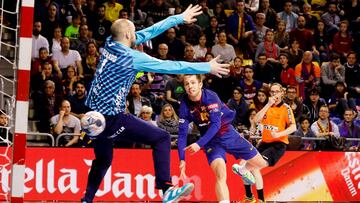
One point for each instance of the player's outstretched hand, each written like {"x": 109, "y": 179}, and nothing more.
{"x": 218, "y": 69}
{"x": 191, "y": 12}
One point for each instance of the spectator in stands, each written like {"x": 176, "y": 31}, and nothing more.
{"x": 80, "y": 44}
{"x": 220, "y": 15}
{"x": 38, "y": 79}
{"x": 252, "y": 6}
{"x": 260, "y": 29}
{"x": 47, "y": 104}
{"x": 135, "y": 101}
{"x": 89, "y": 10}
{"x": 38, "y": 40}
{"x": 322, "y": 41}
{"x": 174, "y": 90}
{"x": 331, "y": 19}
{"x": 270, "y": 14}
{"x": 38, "y": 62}
{"x": 203, "y": 20}
{"x": 352, "y": 75}
{"x": 295, "y": 53}
{"x": 349, "y": 129}
{"x": 324, "y": 127}
{"x": 288, "y": 16}
{"x": 190, "y": 33}
{"x": 211, "y": 32}
{"x": 163, "y": 52}
{"x": 50, "y": 21}
{"x": 153, "y": 88}
{"x": 201, "y": 49}
{"x": 261, "y": 98}
{"x": 73, "y": 9}
{"x": 90, "y": 61}
{"x": 124, "y": 14}
{"x": 146, "y": 113}
{"x": 265, "y": 71}
{"x": 339, "y": 100}
{"x": 157, "y": 11}
{"x": 69, "y": 81}
{"x": 239, "y": 36}
{"x": 136, "y": 15}
{"x": 239, "y": 105}
{"x": 249, "y": 85}
{"x": 72, "y": 31}
{"x": 311, "y": 20}
{"x": 236, "y": 70}
{"x": 313, "y": 102}
{"x": 305, "y": 131}
{"x": 176, "y": 47}
{"x": 342, "y": 40}
{"x": 295, "y": 103}
{"x": 77, "y": 100}
{"x": 112, "y": 10}
{"x": 268, "y": 47}
{"x": 307, "y": 74}
{"x": 225, "y": 50}
{"x": 66, "y": 58}
{"x": 55, "y": 43}
{"x": 101, "y": 27}
{"x": 281, "y": 37}
{"x": 303, "y": 35}
{"x": 189, "y": 53}
{"x": 250, "y": 127}
{"x": 5, "y": 135}
{"x": 287, "y": 75}
{"x": 331, "y": 73}
{"x": 168, "y": 120}
{"x": 65, "y": 122}
{"x": 351, "y": 13}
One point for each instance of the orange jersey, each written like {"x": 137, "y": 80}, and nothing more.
{"x": 277, "y": 119}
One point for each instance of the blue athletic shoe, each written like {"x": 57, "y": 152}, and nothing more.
{"x": 246, "y": 175}
{"x": 175, "y": 194}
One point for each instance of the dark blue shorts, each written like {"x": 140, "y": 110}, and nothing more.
{"x": 232, "y": 143}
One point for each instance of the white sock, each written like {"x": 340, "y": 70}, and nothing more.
{"x": 224, "y": 201}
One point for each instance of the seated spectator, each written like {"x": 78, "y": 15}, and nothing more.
{"x": 201, "y": 49}
{"x": 50, "y": 21}
{"x": 211, "y": 32}
{"x": 38, "y": 41}
{"x": 37, "y": 81}
{"x": 112, "y": 10}
{"x": 249, "y": 85}
{"x": 189, "y": 53}
{"x": 314, "y": 102}
{"x": 225, "y": 50}
{"x": 176, "y": 46}
{"x": 331, "y": 73}
{"x": 342, "y": 40}
{"x": 78, "y": 99}
{"x": 5, "y": 136}
{"x": 80, "y": 43}
{"x": 260, "y": 100}
{"x": 250, "y": 127}
{"x": 307, "y": 74}
{"x": 72, "y": 31}
{"x": 348, "y": 129}
{"x": 67, "y": 57}
{"x": 260, "y": 29}
{"x": 69, "y": 81}
{"x": 324, "y": 127}
{"x": 305, "y": 131}
{"x": 38, "y": 62}
{"x": 168, "y": 120}
{"x": 339, "y": 101}
{"x": 303, "y": 35}
{"x": 163, "y": 52}
{"x": 270, "y": 14}
{"x": 331, "y": 19}
{"x": 65, "y": 122}
{"x": 299, "y": 109}
{"x": 352, "y": 75}
{"x": 190, "y": 33}
{"x": 268, "y": 47}
{"x": 265, "y": 71}
{"x": 146, "y": 113}
{"x": 203, "y": 19}
{"x": 311, "y": 20}
{"x": 90, "y": 62}
{"x": 100, "y": 29}
{"x": 135, "y": 101}
{"x": 136, "y": 15}
{"x": 295, "y": 53}
{"x": 47, "y": 104}
{"x": 287, "y": 75}
{"x": 281, "y": 37}
{"x": 239, "y": 105}
{"x": 174, "y": 90}
{"x": 237, "y": 70}
{"x": 322, "y": 41}
{"x": 220, "y": 15}
{"x": 55, "y": 43}
{"x": 288, "y": 16}
{"x": 156, "y": 11}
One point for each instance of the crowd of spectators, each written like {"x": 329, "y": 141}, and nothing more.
{"x": 310, "y": 47}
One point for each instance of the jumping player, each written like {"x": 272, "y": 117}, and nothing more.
{"x": 218, "y": 137}
{"x": 115, "y": 73}
{"x": 278, "y": 122}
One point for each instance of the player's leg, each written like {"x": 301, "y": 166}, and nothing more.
{"x": 221, "y": 189}
{"x": 103, "y": 149}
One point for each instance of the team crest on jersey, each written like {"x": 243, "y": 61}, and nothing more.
{"x": 213, "y": 106}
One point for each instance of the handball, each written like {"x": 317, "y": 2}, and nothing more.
{"x": 93, "y": 123}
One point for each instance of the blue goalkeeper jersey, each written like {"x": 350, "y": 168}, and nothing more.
{"x": 211, "y": 116}
{"x": 119, "y": 64}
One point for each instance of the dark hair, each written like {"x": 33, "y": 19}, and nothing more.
{"x": 258, "y": 105}
{"x": 349, "y": 109}
{"x": 351, "y": 52}
{"x": 239, "y": 89}
{"x": 246, "y": 121}
{"x": 284, "y": 54}
{"x": 314, "y": 91}
{"x": 42, "y": 49}
{"x": 334, "y": 57}
{"x": 303, "y": 118}
{"x": 248, "y": 67}
{"x": 262, "y": 54}
{"x": 209, "y": 53}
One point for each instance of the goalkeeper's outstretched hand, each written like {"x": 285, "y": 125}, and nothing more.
{"x": 191, "y": 12}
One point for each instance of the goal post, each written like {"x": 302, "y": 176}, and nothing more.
{"x": 22, "y": 100}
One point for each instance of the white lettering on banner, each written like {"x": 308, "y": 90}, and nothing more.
{"x": 70, "y": 177}
{"x": 353, "y": 169}
{"x": 39, "y": 177}
{"x": 29, "y": 175}
{"x": 140, "y": 186}
{"x": 51, "y": 176}
{"x": 126, "y": 181}
{"x": 5, "y": 180}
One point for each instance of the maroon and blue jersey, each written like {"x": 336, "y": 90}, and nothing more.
{"x": 210, "y": 115}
